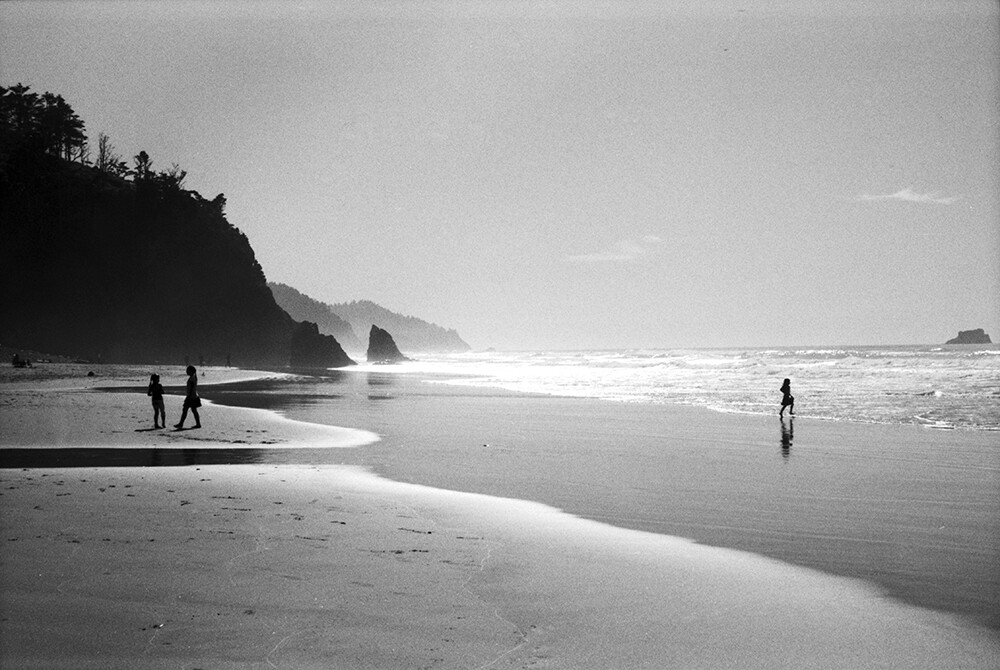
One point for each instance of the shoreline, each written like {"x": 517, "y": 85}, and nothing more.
{"x": 47, "y": 413}
{"x": 309, "y": 566}
{"x": 921, "y": 385}
{"x": 911, "y": 510}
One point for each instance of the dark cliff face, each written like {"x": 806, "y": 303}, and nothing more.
{"x": 382, "y": 348}
{"x": 108, "y": 269}
{"x": 303, "y": 308}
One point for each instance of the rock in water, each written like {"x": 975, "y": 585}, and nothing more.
{"x": 977, "y": 336}
{"x": 310, "y": 349}
{"x": 382, "y": 348}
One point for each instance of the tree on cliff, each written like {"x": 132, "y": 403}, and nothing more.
{"x": 60, "y": 128}
{"x": 108, "y": 159}
{"x": 143, "y": 166}
{"x": 46, "y": 121}
{"x": 19, "y": 108}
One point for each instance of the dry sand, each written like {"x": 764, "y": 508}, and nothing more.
{"x": 60, "y": 408}
{"x": 297, "y": 566}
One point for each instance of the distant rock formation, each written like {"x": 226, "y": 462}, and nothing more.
{"x": 977, "y": 336}
{"x": 309, "y": 349}
{"x": 382, "y": 348}
{"x": 412, "y": 334}
{"x": 346, "y": 320}
{"x": 303, "y": 308}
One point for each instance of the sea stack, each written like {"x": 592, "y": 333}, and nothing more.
{"x": 382, "y": 348}
{"x": 310, "y": 349}
{"x": 977, "y": 336}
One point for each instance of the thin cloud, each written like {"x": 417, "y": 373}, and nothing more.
{"x": 625, "y": 251}
{"x": 909, "y": 195}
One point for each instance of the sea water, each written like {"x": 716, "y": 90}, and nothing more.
{"x": 936, "y": 386}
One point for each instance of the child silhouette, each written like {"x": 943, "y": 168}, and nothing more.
{"x": 787, "y": 400}
{"x": 155, "y": 391}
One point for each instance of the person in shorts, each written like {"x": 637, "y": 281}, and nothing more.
{"x": 155, "y": 391}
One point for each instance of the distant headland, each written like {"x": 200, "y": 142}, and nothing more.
{"x": 977, "y": 336}
{"x": 346, "y": 321}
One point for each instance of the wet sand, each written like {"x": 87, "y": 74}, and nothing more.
{"x": 914, "y": 510}
{"x": 317, "y": 566}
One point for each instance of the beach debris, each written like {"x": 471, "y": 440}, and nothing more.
{"x": 421, "y": 532}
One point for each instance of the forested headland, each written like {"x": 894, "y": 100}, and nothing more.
{"x": 114, "y": 261}
{"x": 349, "y": 322}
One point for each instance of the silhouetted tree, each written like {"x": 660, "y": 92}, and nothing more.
{"x": 81, "y": 154}
{"x": 61, "y": 130}
{"x": 108, "y": 160}
{"x": 46, "y": 122}
{"x": 143, "y": 166}
{"x": 19, "y": 108}
{"x": 172, "y": 179}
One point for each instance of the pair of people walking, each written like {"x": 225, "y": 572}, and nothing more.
{"x": 191, "y": 400}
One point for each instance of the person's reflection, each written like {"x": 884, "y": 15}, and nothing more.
{"x": 380, "y": 379}
{"x": 787, "y": 434}
{"x": 381, "y": 385}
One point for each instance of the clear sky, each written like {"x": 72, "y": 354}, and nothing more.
{"x": 573, "y": 174}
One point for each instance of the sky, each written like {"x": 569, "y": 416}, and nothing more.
{"x": 572, "y": 175}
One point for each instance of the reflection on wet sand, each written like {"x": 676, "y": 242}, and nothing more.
{"x": 787, "y": 434}
{"x": 380, "y": 384}
{"x": 88, "y": 457}
{"x": 380, "y": 379}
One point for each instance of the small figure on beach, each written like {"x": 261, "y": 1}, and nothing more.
{"x": 191, "y": 400}
{"x": 787, "y": 400}
{"x": 155, "y": 391}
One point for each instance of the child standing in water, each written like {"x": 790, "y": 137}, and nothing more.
{"x": 191, "y": 400}
{"x": 155, "y": 391}
{"x": 787, "y": 400}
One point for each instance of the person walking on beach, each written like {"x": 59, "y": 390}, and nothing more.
{"x": 155, "y": 391}
{"x": 191, "y": 400}
{"x": 787, "y": 400}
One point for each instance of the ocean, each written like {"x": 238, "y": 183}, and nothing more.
{"x": 935, "y": 386}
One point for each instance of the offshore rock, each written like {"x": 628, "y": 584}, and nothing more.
{"x": 382, "y": 348}
{"x": 310, "y": 349}
{"x": 977, "y": 336}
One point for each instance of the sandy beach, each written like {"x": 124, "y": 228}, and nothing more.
{"x": 265, "y": 565}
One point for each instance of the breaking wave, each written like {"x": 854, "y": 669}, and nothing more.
{"x": 942, "y": 387}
